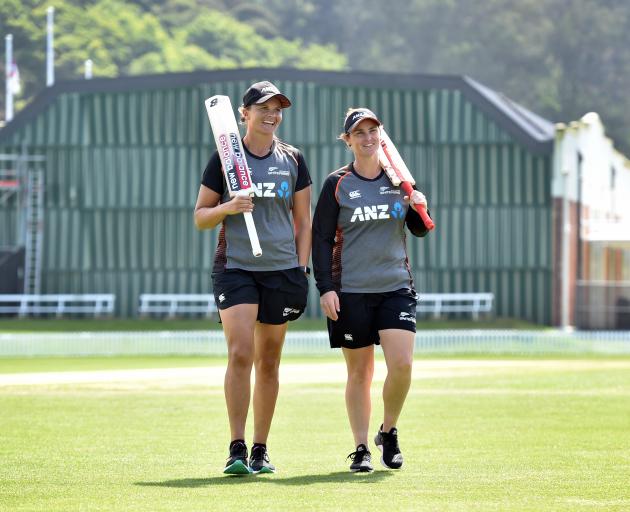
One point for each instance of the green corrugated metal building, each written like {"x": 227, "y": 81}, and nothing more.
{"x": 124, "y": 158}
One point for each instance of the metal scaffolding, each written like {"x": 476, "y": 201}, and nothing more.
{"x": 22, "y": 190}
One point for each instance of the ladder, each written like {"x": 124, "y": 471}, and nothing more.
{"x": 34, "y": 231}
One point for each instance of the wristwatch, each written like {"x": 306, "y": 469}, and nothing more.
{"x": 306, "y": 270}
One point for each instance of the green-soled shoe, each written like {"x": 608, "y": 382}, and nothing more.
{"x": 259, "y": 461}
{"x": 237, "y": 467}
{"x": 237, "y": 461}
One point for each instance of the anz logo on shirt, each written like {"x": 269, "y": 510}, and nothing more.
{"x": 269, "y": 190}
{"x": 377, "y": 212}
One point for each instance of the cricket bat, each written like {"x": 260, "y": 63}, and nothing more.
{"x": 399, "y": 174}
{"x": 232, "y": 155}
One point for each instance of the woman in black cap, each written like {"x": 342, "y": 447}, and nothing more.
{"x": 365, "y": 282}
{"x": 257, "y": 296}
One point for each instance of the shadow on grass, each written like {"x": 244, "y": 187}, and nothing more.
{"x": 278, "y": 479}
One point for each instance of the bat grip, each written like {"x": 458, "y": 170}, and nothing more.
{"x": 253, "y": 235}
{"x": 420, "y": 208}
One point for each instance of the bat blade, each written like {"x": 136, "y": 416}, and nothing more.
{"x": 232, "y": 155}
{"x": 229, "y": 145}
{"x": 396, "y": 165}
{"x": 399, "y": 174}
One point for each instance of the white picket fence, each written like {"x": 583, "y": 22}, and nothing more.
{"x": 310, "y": 342}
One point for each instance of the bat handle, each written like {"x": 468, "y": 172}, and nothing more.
{"x": 421, "y": 209}
{"x": 253, "y": 235}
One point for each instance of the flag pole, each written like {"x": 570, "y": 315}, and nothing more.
{"x": 88, "y": 69}
{"x": 8, "y": 106}
{"x": 50, "y": 51}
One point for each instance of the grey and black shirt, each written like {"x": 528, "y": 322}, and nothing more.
{"x": 277, "y": 177}
{"x": 359, "y": 241}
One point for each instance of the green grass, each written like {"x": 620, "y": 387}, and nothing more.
{"x": 128, "y": 324}
{"x": 153, "y": 324}
{"x": 65, "y": 364}
{"x": 13, "y": 365}
{"x": 509, "y": 438}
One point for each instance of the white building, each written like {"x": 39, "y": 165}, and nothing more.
{"x": 591, "y": 193}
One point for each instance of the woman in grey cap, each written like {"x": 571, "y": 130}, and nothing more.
{"x": 365, "y": 282}
{"x": 257, "y": 296}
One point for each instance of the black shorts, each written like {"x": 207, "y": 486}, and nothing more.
{"x": 280, "y": 294}
{"x": 362, "y": 315}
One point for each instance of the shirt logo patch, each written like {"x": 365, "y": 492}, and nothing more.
{"x": 269, "y": 190}
{"x": 284, "y": 191}
{"x": 355, "y": 194}
{"x": 377, "y": 212}
{"x": 278, "y": 172}
{"x": 389, "y": 190}
{"x": 397, "y": 211}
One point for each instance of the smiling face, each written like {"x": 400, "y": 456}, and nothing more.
{"x": 364, "y": 138}
{"x": 265, "y": 118}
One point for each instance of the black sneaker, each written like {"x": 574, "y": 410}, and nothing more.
{"x": 237, "y": 461}
{"x": 361, "y": 460}
{"x": 259, "y": 460}
{"x": 387, "y": 442}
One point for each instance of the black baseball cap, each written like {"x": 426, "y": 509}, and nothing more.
{"x": 263, "y": 91}
{"x": 356, "y": 115}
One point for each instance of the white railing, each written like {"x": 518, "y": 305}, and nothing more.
{"x": 57, "y": 304}
{"x": 440, "y": 303}
{"x": 174, "y": 304}
{"x": 311, "y": 342}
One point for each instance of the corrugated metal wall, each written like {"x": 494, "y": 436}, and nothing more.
{"x": 123, "y": 172}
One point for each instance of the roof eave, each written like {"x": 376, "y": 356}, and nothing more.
{"x": 538, "y": 145}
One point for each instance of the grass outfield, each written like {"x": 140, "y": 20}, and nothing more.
{"x": 201, "y": 324}
{"x": 477, "y": 434}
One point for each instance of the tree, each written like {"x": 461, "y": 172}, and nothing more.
{"x": 560, "y": 58}
{"x": 145, "y": 37}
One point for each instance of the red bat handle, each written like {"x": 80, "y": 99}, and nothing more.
{"x": 421, "y": 209}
